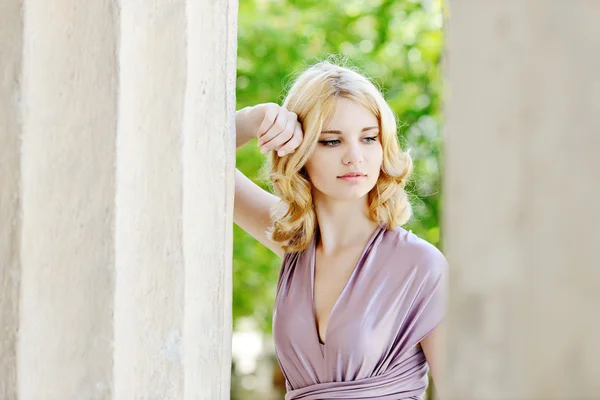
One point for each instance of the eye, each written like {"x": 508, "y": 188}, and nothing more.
{"x": 329, "y": 143}
{"x": 370, "y": 139}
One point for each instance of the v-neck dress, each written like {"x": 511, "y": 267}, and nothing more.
{"x": 395, "y": 296}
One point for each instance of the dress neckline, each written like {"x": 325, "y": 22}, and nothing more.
{"x": 312, "y": 265}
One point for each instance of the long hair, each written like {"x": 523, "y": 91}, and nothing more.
{"x": 312, "y": 97}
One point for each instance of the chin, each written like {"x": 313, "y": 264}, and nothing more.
{"x": 352, "y": 193}
{"x": 344, "y": 191}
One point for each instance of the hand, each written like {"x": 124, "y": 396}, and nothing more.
{"x": 279, "y": 131}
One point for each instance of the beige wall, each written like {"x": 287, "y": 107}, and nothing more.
{"x": 115, "y": 248}
{"x": 521, "y": 221}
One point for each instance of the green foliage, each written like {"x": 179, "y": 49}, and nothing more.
{"x": 396, "y": 43}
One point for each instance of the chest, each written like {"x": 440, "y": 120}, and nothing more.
{"x": 331, "y": 276}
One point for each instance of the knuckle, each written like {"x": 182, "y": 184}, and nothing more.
{"x": 282, "y": 141}
{"x": 269, "y": 109}
{"x": 269, "y": 118}
{"x": 274, "y": 141}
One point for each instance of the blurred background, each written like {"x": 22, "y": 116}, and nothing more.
{"x": 398, "y": 44}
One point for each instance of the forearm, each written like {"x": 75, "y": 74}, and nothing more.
{"x": 247, "y": 122}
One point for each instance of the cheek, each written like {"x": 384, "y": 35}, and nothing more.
{"x": 376, "y": 156}
{"x": 312, "y": 170}
{"x": 317, "y": 164}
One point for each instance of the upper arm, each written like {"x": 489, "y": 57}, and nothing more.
{"x": 252, "y": 211}
{"x": 434, "y": 349}
{"x": 435, "y": 269}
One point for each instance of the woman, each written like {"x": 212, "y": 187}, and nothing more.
{"x": 359, "y": 299}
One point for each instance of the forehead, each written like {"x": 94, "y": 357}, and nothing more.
{"x": 350, "y": 114}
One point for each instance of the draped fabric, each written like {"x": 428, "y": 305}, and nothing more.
{"x": 394, "y": 297}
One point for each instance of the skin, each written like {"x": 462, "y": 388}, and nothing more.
{"x": 349, "y": 142}
{"x": 433, "y": 347}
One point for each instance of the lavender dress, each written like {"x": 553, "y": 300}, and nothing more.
{"x": 395, "y": 296}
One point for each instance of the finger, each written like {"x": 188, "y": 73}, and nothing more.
{"x": 293, "y": 143}
{"x": 282, "y": 129}
{"x": 268, "y": 120}
{"x": 282, "y": 138}
{"x": 275, "y": 129}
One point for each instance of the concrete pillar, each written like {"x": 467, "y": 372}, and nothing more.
{"x": 116, "y": 189}
{"x": 150, "y": 268}
{"x": 521, "y": 187}
{"x": 11, "y": 43}
{"x": 209, "y": 165}
{"x": 68, "y": 109}
{"x": 175, "y": 160}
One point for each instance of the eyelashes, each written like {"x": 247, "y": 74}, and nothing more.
{"x": 329, "y": 143}
{"x": 335, "y": 142}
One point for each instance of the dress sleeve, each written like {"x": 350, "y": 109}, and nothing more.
{"x": 432, "y": 292}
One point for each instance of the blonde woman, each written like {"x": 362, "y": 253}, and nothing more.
{"x": 359, "y": 299}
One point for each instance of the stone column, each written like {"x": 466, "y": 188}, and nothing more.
{"x": 11, "y": 47}
{"x": 208, "y": 173}
{"x": 521, "y": 220}
{"x": 175, "y": 163}
{"x": 116, "y": 190}
{"x": 68, "y": 108}
{"x": 150, "y": 267}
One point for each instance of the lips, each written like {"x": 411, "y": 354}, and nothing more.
{"x": 353, "y": 174}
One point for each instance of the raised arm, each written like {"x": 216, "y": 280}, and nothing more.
{"x": 278, "y": 130}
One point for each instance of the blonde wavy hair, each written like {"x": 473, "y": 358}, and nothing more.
{"x": 312, "y": 97}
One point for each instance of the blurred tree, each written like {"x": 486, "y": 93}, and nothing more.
{"x": 396, "y": 43}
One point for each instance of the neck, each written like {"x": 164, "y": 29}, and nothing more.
{"x": 342, "y": 224}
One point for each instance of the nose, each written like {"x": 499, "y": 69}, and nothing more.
{"x": 353, "y": 155}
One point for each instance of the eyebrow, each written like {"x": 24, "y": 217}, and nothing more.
{"x": 368, "y": 128}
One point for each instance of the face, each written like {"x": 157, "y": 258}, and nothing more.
{"x": 347, "y": 160}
